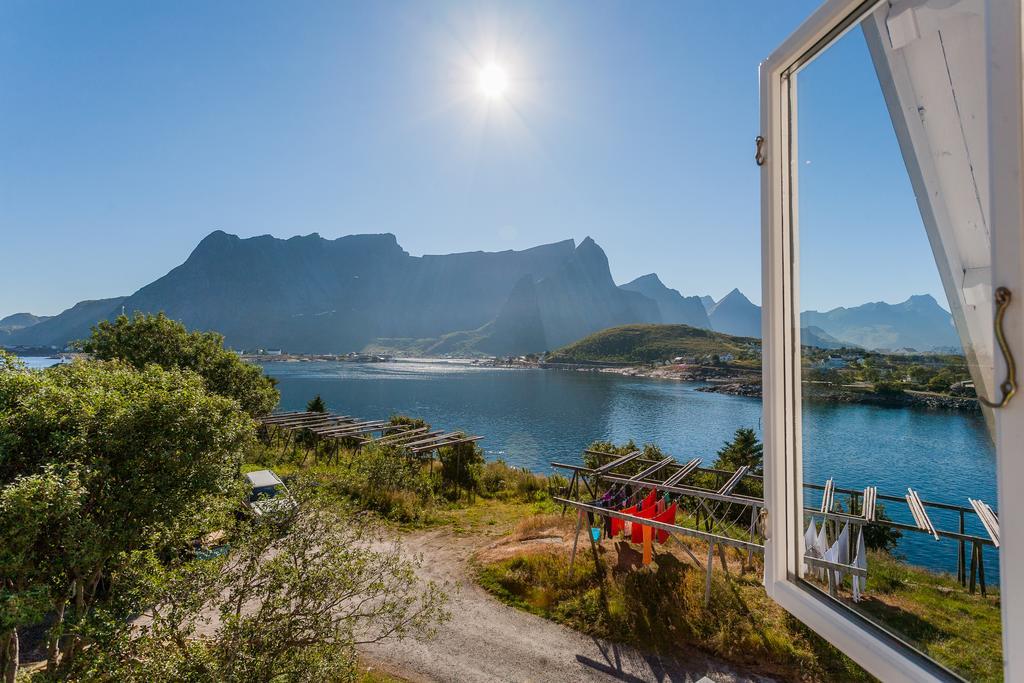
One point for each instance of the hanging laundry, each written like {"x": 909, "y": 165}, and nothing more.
{"x": 638, "y": 529}
{"x": 810, "y": 538}
{"x": 821, "y": 545}
{"x": 666, "y": 517}
{"x": 860, "y": 583}
{"x": 842, "y": 551}
{"x": 620, "y": 524}
{"x": 650, "y": 500}
{"x": 648, "y": 546}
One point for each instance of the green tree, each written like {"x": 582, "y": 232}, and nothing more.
{"x": 135, "y": 454}
{"x": 291, "y": 607}
{"x": 316, "y": 405}
{"x": 37, "y": 513}
{"x": 144, "y": 339}
{"x": 744, "y": 449}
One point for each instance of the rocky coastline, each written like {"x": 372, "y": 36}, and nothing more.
{"x": 904, "y": 399}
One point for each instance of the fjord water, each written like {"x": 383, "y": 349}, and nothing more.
{"x": 532, "y": 417}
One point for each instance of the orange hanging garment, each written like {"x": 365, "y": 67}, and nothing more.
{"x": 648, "y": 549}
{"x": 666, "y": 517}
{"x": 638, "y": 529}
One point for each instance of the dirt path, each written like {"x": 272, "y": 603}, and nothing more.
{"x": 489, "y": 641}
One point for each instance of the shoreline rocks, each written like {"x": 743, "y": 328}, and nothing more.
{"x": 905, "y": 399}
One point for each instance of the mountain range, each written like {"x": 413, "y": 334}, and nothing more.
{"x": 308, "y": 294}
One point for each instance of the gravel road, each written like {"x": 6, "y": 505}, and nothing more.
{"x": 489, "y": 641}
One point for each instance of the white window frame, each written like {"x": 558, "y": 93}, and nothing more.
{"x": 879, "y": 652}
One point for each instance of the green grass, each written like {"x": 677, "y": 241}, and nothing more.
{"x": 960, "y": 630}
{"x": 650, "y": 343}
{"x": 664, "y": 610}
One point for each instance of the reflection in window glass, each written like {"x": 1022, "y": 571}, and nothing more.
{"x": 898, "y": 468}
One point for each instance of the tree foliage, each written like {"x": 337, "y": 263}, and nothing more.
{"x": 461, "y": 467}
{"x": 99, "y": 460}
{"x": 144, "y": 339}
{"x": 744, "y": 449}
{"x": 316, "y": 405}
{"x": 279, "y": 607}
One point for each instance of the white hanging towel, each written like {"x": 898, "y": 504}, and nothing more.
{"x": 809, "y": 542}
{"x": 860, "y": 583}
{"x": 821, "y": 545}
{"x": 841, "y": 550}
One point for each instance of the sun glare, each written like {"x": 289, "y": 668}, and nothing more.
{"x": 493, "y": 81}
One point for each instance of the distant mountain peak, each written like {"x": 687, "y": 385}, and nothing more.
{"x": 673, "y": 306}
{"x": 650, "y": 278}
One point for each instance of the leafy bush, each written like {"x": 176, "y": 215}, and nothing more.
{"x": 411, "y": 422}
{"x": 145, "y": 339}
{"x": 500, "y": 480}
{"x": 461, "y": 467}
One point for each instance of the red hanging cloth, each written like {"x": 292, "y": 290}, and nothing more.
{"x": 650, "y": 500}
{"x": 620, "y": 524}
{"x": 638, "y": 529}
{"x": 666, "y": 517}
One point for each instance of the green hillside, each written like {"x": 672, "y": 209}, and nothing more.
{"x": 651, "y": 343}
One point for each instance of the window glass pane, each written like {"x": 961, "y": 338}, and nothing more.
{"x": 888, "y": 410}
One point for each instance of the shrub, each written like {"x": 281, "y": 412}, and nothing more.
{"x": 146, "y": 339}
{"x": 461, "y": 467}
{"x": 503, "y": 481}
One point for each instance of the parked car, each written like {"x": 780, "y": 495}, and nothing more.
{"x": 267, "y": 493}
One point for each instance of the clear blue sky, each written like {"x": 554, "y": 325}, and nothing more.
{"x": 132, "y": 129}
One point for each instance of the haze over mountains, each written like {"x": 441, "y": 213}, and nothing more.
{"x": 312, "y": 295}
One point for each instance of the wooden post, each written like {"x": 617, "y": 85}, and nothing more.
{"x": 974, "y": 563}
{"x": 570, "y": 494}
{"x": 593, "y": 547}
{"x": 707, "y": 575}
{"x": 981, "y": 567}
{"x": 961, "y": 565}
{"x": 575, "y": 542}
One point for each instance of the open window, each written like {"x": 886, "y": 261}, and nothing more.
{"x": 891, "y": 144}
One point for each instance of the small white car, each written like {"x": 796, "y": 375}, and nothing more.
{"x": 267, "y": 493}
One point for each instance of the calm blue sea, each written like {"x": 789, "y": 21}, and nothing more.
{"x": 532, "y": 417}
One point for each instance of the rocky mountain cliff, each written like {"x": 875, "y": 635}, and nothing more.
{"x": 312, "y": 295}
{"x": 736, "y": 315}
{"x": 673, "y": 307}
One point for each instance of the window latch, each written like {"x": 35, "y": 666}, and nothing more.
{"x": 759, "y": 150}
{"x": 1009, "y": 385}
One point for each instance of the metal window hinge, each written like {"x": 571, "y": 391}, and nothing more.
{"x": 1009, "y": 385}
{"x": 759, "y": 150}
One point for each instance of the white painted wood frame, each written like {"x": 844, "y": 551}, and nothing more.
{"x": 881, "y": 653}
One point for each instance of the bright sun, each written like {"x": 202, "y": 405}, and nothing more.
{"x": 493, "y": 81}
